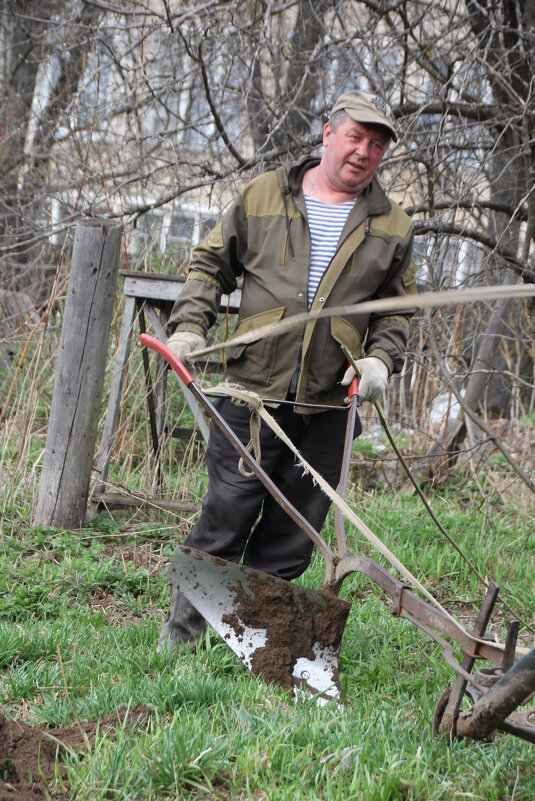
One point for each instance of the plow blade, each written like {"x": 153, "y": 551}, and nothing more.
{"x": 288, "y": 634}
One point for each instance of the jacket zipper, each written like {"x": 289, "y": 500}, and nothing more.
{"x": 295, "y": 377}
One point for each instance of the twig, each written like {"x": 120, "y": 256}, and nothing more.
{"x": 398, "y": 305}
{"x": 475, "y": 418}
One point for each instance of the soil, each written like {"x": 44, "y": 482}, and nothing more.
{"x": 113, "y": 608}
{"x": 149, "y": 555}
{"x": 28, "y": 753}
{"x": 295, "y": 619}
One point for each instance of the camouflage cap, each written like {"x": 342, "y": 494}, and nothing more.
{"x": 363, "y": 107}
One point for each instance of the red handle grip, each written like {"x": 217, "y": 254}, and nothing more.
{"x": 169, "y": 356}
{"x": 353, "y": 387}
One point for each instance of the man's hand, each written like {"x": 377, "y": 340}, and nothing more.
{"x": 182, "y": 343}
{"x": 373, "y": 378}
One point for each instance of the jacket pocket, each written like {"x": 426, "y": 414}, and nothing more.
{"x": 261, "y": 346}
{"x": 287, "y": 247}
{"x": 373, "y": 254}
{"x": 259, "y": 320}
{"x": 409, "y": 276}
{"x": 347, "y": 335}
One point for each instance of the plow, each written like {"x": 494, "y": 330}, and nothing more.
{"x": 291, "y": 635}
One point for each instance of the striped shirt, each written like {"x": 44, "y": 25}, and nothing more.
{"x": 325, "y": 221}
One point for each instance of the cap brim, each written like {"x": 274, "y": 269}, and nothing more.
{"x": 375, "y": 119}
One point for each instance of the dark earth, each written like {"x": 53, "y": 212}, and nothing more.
{"x": 295, "y": 619}
{"x": 28, "y": 753}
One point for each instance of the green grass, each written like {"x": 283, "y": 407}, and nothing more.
{"x": 78, "y": 625}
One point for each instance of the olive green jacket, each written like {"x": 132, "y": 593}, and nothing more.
{"x": 264, "y": 237}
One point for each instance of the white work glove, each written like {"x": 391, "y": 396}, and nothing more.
{"x": 373, "y": 379}
{"x": 182, "y": 343}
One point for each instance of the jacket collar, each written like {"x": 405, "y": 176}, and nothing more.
{"x": 291, "y": 181}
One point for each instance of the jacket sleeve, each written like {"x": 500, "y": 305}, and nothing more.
{"x": 215, "y": 265}
{"x": 387, "y": 332}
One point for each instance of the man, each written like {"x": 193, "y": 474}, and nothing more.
{"x": 319, "y": 235}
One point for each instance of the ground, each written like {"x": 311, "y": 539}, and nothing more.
{"x": 28, "y": 753}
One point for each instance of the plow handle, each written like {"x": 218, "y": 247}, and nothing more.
{"x": 352, "y": 398}
{"x": 169, "y": 356}
{"x": 189, "y": 381}
{"x": 353, "y": 388}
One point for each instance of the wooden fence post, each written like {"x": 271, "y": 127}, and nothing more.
{"x": 77, "y": 395}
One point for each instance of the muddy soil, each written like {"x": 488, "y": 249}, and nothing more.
{"x": 28, "y": 753}
{"x": 295, "y": 619}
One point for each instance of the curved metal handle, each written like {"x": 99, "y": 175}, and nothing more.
{"x": 302, "y": 522}
{"x": 169, "y": 356}
{"x": 353, "y": 388}
{"x": 341, "y": 540}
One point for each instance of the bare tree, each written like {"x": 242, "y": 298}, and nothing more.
{"x": 45, "y": 46}
{"x": 148, "y": 110}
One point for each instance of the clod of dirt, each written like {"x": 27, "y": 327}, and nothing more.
{"x": 28, "y": 753}
{"x": 295, "y": 619}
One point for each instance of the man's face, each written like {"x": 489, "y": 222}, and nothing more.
{"x": 352, "y": 153}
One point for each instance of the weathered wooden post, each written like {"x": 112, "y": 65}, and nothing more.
{"x": 72, "y": 431}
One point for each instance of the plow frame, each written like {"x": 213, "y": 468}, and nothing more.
{"x": 495, "y": 692}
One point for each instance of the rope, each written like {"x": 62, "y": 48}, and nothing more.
{"x": 382, "y": 417}
{"x": 245, "y": 397}
{"x": 396, "y": 305}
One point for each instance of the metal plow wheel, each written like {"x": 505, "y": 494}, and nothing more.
{"x": 288, "y": 634}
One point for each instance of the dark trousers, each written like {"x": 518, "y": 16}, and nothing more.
{"x": 239, "y": 518}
